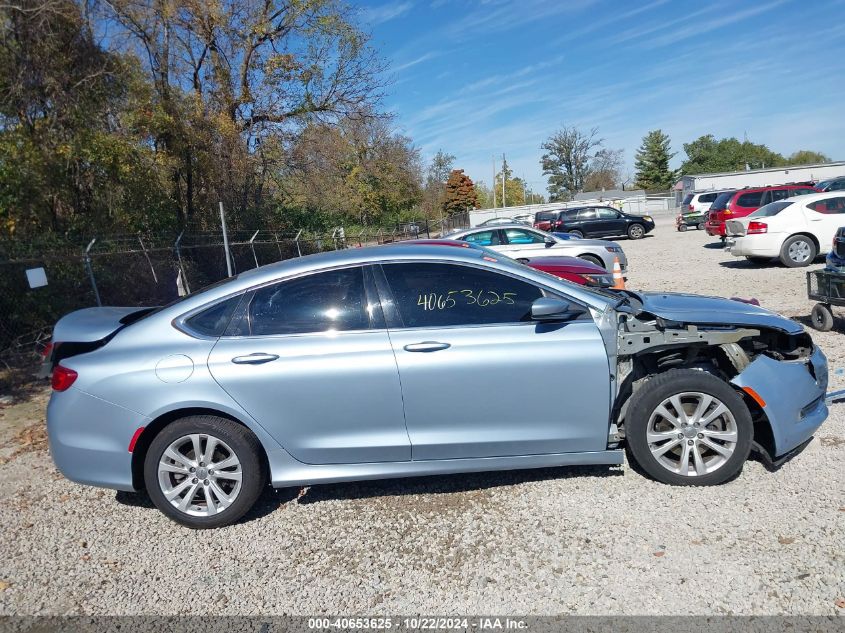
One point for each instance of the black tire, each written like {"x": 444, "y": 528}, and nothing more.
{"x": 700, "y": 226}
{"x": 677, "y": 381}
{"x": 575, "y": 233}
{"x": 758, "y": 261}
{"x": 821, "y": 318}
{"x": 682, "y": 228}
{"x": 241, "y": 441}
{"x": 801, "y": 243}
{"x": 593, "y": 260}
{"x": 636, "y": 231}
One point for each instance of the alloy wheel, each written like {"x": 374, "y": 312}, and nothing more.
{"x": 692, "y": 434}
{"x": 799, "y": 251}
{"x": 200, "y": 475}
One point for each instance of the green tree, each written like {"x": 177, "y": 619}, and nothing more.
{"x": 435, "y": 183}
{"x": 707, "y": 155}
{"x": 485, "y": 195}
{"x": 652, "y": 163}
{"x": 807, "y": 157}
{"x": 461, "y": 195}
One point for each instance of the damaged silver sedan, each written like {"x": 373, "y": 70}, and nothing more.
{"x": 410, "y": 360}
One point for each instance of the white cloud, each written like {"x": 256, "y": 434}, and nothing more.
{"x": 385, "y": 12}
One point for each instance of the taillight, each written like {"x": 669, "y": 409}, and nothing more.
{"x": 691, "y": 208}
{"x": 756, "y": 228}
{"x": 63, "y": 378}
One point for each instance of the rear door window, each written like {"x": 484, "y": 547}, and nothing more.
{"x": 331, "y": 301}
{"x": 750, "y": 199}
{"x": 484, "y": 238}
{"x": 829, "y": 206}
{"x": 587, "y": 214}
{"x": 441, "y": 295}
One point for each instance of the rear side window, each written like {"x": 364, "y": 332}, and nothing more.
{"x": 545, "y": 215}
{"x": 333, "y": 301}
{"x": 707, "y": 197}
{"x": 440, "y": 295}
{"x": 829, "y": 205}
{"x": 213, "y": 321}
{"x": 722, "y": 200}
{"x": 750, "y": 199}
{"x": 483, "y": 238}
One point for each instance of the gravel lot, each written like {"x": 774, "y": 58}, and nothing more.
{"x": 572, "y": 540}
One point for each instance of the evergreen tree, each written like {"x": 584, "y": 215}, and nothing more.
{"x": 652, "y": 163}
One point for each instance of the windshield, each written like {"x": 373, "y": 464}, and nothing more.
{"x": 687, "y": 199}
{"x": 773, "y": 208}
{"x": 722, "y": 201}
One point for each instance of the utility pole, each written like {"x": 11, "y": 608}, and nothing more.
{"x": 493, "y": 187}
{"x": 504, "y": 177}
{"x": 524, "y": 195}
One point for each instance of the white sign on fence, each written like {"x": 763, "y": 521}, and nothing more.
{"x": 36, "y": 277}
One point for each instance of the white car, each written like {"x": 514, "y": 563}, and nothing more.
{"x": 795, "y": 230}
{"x": 700, "y": 201}
{"x": 524, "y": 242}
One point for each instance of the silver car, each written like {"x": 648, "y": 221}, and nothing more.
{"x": 520, "y": 241}
{"x": 408, "y": 360}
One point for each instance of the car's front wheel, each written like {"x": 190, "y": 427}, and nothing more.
{"x": 204, "y": 471}
{"x": 688, "y": 428}
{"x": 636, "y": 231}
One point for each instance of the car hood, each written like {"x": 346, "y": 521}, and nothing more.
{"x": 698, "y": 309}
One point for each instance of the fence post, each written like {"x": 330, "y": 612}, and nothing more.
{"x": 90, "y": 270}
{"x": 279, "y": 246}
{"x": 149, "y": 261}
{"x": 179, "y": 260}
{"x": 252, "y": 246}
{"x": 296, "y": 240}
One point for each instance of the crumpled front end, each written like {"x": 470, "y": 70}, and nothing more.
{"x": 792, "y": 395}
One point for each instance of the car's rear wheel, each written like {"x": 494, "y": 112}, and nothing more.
{"x": 204, "y": 471}
{"x": 636, "y": 231}
{"x": 576, "y": 233}
{"x": 821, "y": 318}
{"x": 700, "y": 226}
{"x": 592, "y": 259}
{"x": 688, "y": 428}
{"x": 798, "y": 251}
{"x": 682, "y": 227}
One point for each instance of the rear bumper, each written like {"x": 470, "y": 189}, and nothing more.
{"x": 89, "y": 439}
{"x": 794, "y": 396}
{"x": 716, "y": 229}
{"x": 767, "y": 245}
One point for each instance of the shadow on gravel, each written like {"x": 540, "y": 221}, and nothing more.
{"x": 449, "y": 484}
{"x": 714, "y": 245}
{"x": 271, "y": 499}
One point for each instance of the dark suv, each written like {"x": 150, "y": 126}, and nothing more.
{"x": 601, "y": 222}
{"x": 731, "y": 205}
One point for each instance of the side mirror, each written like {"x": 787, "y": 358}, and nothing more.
{"x": 550, "y": 241}
{"x": 552, "y": 309}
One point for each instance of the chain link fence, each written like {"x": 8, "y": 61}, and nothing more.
{"x": 148, "y": 270}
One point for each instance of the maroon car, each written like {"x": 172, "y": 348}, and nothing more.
{"x": 572, "y": 269}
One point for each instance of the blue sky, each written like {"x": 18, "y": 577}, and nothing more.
{"x": 482, "y": 77}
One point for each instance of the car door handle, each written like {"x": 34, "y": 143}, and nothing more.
{"x": 254, "y": 359}
{"x": 426, "y": 346}
{"x": 816, "y": 219}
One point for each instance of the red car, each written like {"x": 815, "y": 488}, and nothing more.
{"x": 572, "y": 269}
{"x": 731, "y": 205}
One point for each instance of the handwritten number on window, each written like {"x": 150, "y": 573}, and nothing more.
{"x": 481, "y": 298}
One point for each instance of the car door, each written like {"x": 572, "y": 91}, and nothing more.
{"x": 479, "y": 378}
{"x": 523, "y": 242}
{"x": 313, "y": 365}
{"x": 824, "y": 217}
{"x": 610, "y": 222}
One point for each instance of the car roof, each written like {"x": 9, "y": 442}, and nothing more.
{"x": 812, "y": 197}
{"x": 512, "y": 225}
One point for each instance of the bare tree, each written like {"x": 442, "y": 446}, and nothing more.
{"x": 567, "y": 160}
